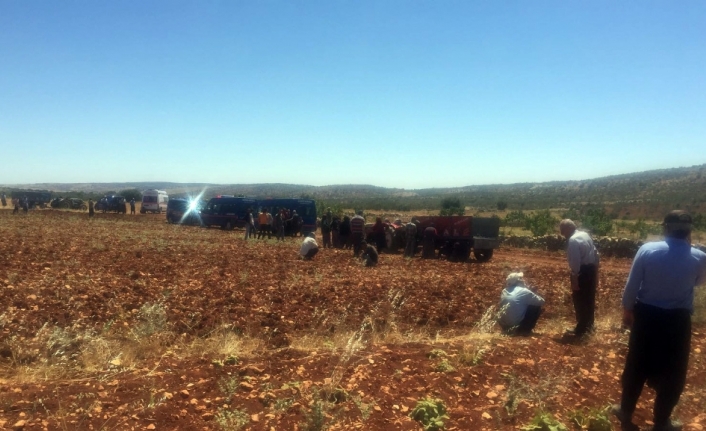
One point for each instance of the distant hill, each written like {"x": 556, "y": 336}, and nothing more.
{"x": 646, "y": 193}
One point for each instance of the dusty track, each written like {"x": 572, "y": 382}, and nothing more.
{"x": 304, "y": 333}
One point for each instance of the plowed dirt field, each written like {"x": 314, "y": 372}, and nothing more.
{"x": 129, "y": 323}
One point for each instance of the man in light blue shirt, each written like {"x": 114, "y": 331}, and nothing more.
{"x": 519, "y": 306}
{"x": 657, "y": 305}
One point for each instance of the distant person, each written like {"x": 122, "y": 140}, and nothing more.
{"x": 370, "y": 255}
{"x": 16, "y": 203}
{"x": 658, "y": 301}
{"x": 132, "y": 206}
{"x": 309, "y": 247}
{"x": 335, "y": 234}
{"x": 270, "y": 220}
{"x": 380, "y": 234}
{"x": 344, "y": 233}
{"x": 357, "y": 232}
{"x": 249, "y": 224}
{"x": 429, "y": 242}
{"x": 583, "y": 257}
{"x": 410, "y": 231}
{"x": 520, "y": 306}
{"x": 91, "y": 210}
{"x": 25, "y": 204}
{"x": 326, "y": 221}
{"x": 278, "y": 225}
{"x": 4, "y": 200}
{"x": 263, "y": 221}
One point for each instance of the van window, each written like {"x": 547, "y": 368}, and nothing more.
{"x": 149, "y": 199}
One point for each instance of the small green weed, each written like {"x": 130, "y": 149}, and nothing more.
{"x": 592, "y": 419}
{"x": 232, "y": 420}
{"x": 544, "y": 421}
{"x": 431, "y": 413}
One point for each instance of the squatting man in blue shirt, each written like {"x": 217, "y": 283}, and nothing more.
{"x": 657, "y": 305}
{"x": 519, "y": 306}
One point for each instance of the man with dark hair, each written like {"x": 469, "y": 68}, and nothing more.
{"x": 357, "y": 232}
{"x": 326, "y": 221}
{"x": 132, "y": 206}
{"x": 370, "y": 255}
{"x": 410, "y": 231}
{"x": 429, "y": 242}
{"x": 658, "y": 301}
{"x": 91, "y": 211}
{"x": 583, "y": 263}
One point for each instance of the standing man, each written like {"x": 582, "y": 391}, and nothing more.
{"x": 249, "y": 224}
{"x": 263, "y": 220}
{"x": 278, "y": 225}
{"x": 583, "y": 263}
{"x": 326, "y": 221}
{"x": 658, "y": 301}
{"x": 132, "y": 206}
{"x": 357, "y": 231}
{"x": 91, "y": 211}
{"x": 410, "y": 231}
{"x": 429, "y": 242}
{"x": 4, "y": 200}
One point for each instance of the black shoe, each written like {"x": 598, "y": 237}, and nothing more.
{"x": 625, "y": 420}
{"x": 672, "y": 425}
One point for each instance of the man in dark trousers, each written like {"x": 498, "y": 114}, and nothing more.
{"x": 132, "y": 206}
{"x": 91, "y": 211}
{"x": 326, "y": 221}
{"x": 429, "y": 243}
{"x": 583, "y": 263}
{"x": 357, "y": 232}
{"x": 658, "y": 301}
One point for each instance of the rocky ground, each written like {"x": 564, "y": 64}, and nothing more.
{"x": 126, "y": 322}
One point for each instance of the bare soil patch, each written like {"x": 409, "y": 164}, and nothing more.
{"x": 127, "y": 322}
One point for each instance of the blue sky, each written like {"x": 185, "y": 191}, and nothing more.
{"x": 408, "y": 94}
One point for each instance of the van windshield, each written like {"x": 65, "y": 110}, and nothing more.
{"x": 149, "y": 199}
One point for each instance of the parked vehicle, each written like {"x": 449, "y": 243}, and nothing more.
{"x": 184, "y": 211}
{"x": 38, "y": 198}
{"x": 154, "y": 201}
{"x": 457, "y": 235}
{"x": 69, "y": 203}
{"x": 112, "y": 203}
{"x": 228, "y": 212}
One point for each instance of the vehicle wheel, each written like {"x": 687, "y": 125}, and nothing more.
{"x": 142, "y": 211}
{"x": 159, "y": 210}
{"x": 483, "y": 254}
{"x": 170, "y": 219}
{"x": 83, "y": 207}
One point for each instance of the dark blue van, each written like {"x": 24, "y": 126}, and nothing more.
{"x": 228, "y": 212}
{"x": 305, "y": 208}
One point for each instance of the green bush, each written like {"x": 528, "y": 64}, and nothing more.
{"x": 431, "y": 413}
{"x": 598, "y": 221}
{"x": 451, "y": 206}
{"x": 541, "y": 223}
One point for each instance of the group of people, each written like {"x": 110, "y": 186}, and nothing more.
{"x": 657, "y": 306}
{"x": 283, "y": 223}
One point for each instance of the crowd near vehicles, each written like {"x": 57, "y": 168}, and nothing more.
{"x": 456, "y": 236}
{"x": 112, "y": 203}
{"x": 39, "y": 198}
{"x": 154, "y": 201}
{"x": 229, "y": 212}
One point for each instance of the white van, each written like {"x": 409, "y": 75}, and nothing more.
{"x": 154, "y": 201}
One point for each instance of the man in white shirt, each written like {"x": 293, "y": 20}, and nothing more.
{"x": 309, "y": 247}
{"x": 583, "y": 262}
{"x": 519, "y": 306}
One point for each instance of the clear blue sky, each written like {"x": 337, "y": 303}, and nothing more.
{"x": 406, "y": 94}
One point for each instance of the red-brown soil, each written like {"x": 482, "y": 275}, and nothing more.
{"x": 326, "y": 336}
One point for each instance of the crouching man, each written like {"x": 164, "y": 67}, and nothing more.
{"x": 309, "y": 247}
{"x": 370, "y": 255}
{"x": 520, "y": 307}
